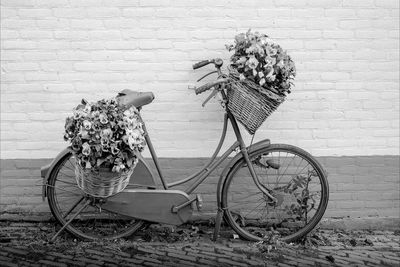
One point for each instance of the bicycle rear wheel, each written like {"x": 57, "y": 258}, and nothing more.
{"x": 65, "y": 198}
{"x": 297, "y": 181}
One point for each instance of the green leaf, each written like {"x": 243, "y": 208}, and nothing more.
{"x": 100, "y": 161}
{"x": 88, "y": 165}
{"x": 129, "y": 162}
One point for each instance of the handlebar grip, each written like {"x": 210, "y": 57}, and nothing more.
{"x": 203, "y": 88}
{"x": 201, "y": 64}
{"x": 209, "y": 85}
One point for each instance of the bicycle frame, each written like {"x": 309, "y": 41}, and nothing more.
{"x": 201, "y": 175}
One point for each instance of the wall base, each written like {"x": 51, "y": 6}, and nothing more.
{"x": 363, "y": 190}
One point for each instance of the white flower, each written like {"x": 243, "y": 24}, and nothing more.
{"x": 103, "y": 118}
{"x": 78, "y": 114}
{"x": 87, "y": 124}
{"x": 252, "y": 63}
{"x": 87, "y": 108}
{"x": 280, "y": 64}
{"x": 270, "y": 76}
{"x": 135, "y": 138}
{"x": 83, "y": 133}
{"x": 86, "y": 149}
{"x": 270, "y": 61}
{"x": 106, "y": 133}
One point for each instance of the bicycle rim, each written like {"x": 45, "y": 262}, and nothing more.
{"x": 65, "y": 198}
{"x": 297, "y": 181}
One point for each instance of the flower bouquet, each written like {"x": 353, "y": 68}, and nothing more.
{"x": 262, "y": 74}
{"x": 105, "y": 139}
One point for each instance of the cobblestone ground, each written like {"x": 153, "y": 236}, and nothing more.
{"x": 25, "y": 244}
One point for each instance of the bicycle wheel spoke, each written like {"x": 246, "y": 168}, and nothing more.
{"x": 65, "y": 182}
{"x": 241, "y": 203}
{"x": 73, "y": 207}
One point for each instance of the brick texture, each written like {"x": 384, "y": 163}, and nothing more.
{"x": 360, "y": 187}
{"x": 346, "y": 100}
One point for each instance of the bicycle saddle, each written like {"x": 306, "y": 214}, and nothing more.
{"x": 129, "y": 97}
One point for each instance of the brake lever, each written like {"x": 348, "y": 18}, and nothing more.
{"x": 206, "y": 75}
{"x": 213, "y": 93}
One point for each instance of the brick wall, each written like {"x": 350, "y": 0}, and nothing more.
{"x": 344, "y": 108}
{"x": 56, "y": 52}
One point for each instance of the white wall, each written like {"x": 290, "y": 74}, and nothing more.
{"x": 55, "y": 52}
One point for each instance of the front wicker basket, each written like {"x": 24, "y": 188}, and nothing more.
{"x": 249, "y": 106}
{"x": 103, "y": 183}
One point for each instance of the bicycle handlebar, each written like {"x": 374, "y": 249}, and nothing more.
{"x": 217, "y": 62}
{"x": 209, "y": 85}
{"x": 201, "y": 64}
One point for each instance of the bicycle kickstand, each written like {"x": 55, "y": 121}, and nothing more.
{"x": 218, "y": 221}
{"x": 70, "y": 220}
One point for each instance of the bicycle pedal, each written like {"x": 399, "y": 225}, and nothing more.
{"x": 199, "y": 202}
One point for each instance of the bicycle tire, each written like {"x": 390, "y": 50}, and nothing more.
{"x": 94, "y": 223}
{"x": 258, "y": 229}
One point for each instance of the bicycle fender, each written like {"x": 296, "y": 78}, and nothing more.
{"x": 141, "y": 175}
{"x": 46, "y": 170}
{"x": 233, "y": 161}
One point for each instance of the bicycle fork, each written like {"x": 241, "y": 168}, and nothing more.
{"x": 246, "y": 157}
{"x": 266, "y": 191}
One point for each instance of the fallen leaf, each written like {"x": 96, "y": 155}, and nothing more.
{"x": 353, "y": 242}
{"x": 368, "y": 242}
{"x": 330, "y": 258}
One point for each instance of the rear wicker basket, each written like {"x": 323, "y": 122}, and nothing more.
{"x": 103, "y": 183}
{"x": 246, "y": 102}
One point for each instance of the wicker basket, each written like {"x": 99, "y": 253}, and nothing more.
{"x": 246, "y": 102}
{"x": 103, "y": 183}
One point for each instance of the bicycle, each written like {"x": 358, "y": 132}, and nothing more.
{"x": 263, "y": 187}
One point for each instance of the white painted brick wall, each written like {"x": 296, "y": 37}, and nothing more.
{"x": 55, "y": 52}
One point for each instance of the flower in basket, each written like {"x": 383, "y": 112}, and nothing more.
{"x": 105, "y": 134}
{"x": 259, "y": 59}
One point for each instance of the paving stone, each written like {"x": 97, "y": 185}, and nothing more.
{"x": 180, "y": 256}
{"x": 252, "y": 262}
{"x": 8, "y": 264}
{"x": 209, "y": 254}
{"x": 231, "y": 262}
{"x": 147, "y": 259}
{"x": 299, "y": 260}
{"x": 390, "y": 262}
{"x": 3, "y": 253}
{"x": 84, "y": 259}
{"x": 122, "y": 254}
{"x": 3, "y": 258}
{"x": 52, "y": 263}
{"x": 208, "y": 262}
{"x": 174, "y": 250}
{"x": 130, "y": 260}
{"x": 100, "y": 253}
{"x": 151, "y": 264}
{"x": 16, "y": 251}
{"x": 60, "y": 255}
{"x": 391, "y": 257}
{"x": 72, "y": 262}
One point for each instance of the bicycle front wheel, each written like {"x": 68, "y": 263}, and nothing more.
{"x": 65, "y": 198}
{"x": 295, "y": 179}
